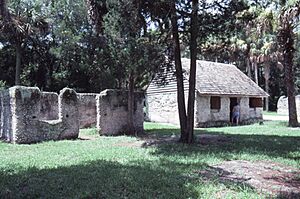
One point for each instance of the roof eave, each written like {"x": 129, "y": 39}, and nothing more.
{"x": 231, "y": 94}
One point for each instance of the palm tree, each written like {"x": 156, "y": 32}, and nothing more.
{"x": 268, "y": 51}
{"x": 286, "y": 37}
{"x": 17, "y": 29}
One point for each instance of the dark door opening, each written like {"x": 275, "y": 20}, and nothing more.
{"x": 233, "y": 102}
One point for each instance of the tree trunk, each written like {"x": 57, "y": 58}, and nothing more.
{"x": 255, "y": 71}
{"x": 267, "y": 98}
{"x": 131, "y": 129}
{"x": 290, "y": 86}
{"x": 267, "y": 83}
{"x": 4, "y": 12}
{"x": 192, "y": 79}
{"x": 18, "y": 65}
{"x": 248, "y": 68}
{"x": 179, "y": 74}
{"x": 293, "y": 120}
{"x": 286, "y": 41}
{"x": 248, "y": 62}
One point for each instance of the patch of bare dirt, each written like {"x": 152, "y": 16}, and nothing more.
{"x": 266, "y": 177}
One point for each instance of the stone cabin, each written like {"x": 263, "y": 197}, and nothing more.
{"x": 218, "y": 88}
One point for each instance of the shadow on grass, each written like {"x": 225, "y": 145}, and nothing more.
{"x": 97, "y": 179}
{"x": 284, "y": 195}
{"x": 226, "y": 145}
{"x": 167, "y": 132}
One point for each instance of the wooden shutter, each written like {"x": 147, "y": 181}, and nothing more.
{"x": 255, "y": 102}
{"x": 215, "y": 102}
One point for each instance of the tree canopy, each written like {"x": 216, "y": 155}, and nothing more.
{"x": 89, "y": 45}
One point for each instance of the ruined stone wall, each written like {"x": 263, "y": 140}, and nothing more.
{"x": 112, "y": 111}
{"x": 87, "y": 109}
{"x": 68, "y": 113}
{"x": 282, "y": 105}
{"x": 25, "y": 106}
{"x": 24, "y": 124}
{"x": 5, "y": 115}
{"x": 49, "y": 106}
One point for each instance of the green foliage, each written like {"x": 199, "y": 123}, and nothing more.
{"x": 72, "y": 54}
{"x": 2, "y": 85}
{"x": 133, "y": 36}
{"x": 132, "y": 50}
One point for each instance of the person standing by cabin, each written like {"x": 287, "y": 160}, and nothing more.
{"x": 236, "y": 114}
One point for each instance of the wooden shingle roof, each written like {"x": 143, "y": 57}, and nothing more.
{"x": 215, "y": 79}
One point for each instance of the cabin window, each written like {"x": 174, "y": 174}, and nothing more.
{"x": 255, "y": 102}
{"x": 215, "y": 103}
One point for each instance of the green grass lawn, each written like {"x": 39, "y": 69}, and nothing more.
{"x": 270, "y": 113}
{"x": 112, "y": 167}
{"x": 273, "y": 113}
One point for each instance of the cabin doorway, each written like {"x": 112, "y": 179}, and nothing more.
{"x": 233, "y": 102}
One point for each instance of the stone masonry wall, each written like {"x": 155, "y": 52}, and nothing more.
{"x": 282, "y": 105}
{"x": 49, "y": 106}
{"x": 208, "y": 118}
{"x": 249, "y": 114}
{"x": 87, "y": 109}
{"x": 206, "y": 115}
{"x": 68, "y": 113}
{"x": 25, "y": 125}
{"x": 163, "y": 108}
{"x": 112, "y": 112}
{"x": 5, "y": 115}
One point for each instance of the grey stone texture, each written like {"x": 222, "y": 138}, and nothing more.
{"x": 87, "y": 109}
{"x": 68, "y": 113}
{"x": 282, "y": 105}
{"x": 49, "y": 106}
{"x": 206, "y": 117}
{"x": 162, "y": 107}
{"x": 21, "y": 121}
{"x": 112, "y": 112}
{"x": 5, "y": 114}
